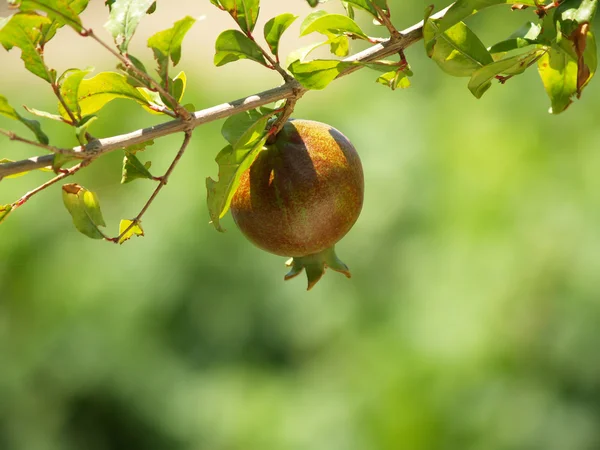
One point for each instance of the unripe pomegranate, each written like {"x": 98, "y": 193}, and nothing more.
{"x": 301, "y": 196}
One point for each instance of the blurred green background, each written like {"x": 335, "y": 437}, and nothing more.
{"x": 471, "y": 320}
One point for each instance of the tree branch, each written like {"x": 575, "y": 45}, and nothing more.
{"x": 291, "y": 89}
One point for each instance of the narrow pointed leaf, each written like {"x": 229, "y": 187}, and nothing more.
{"x": 166, "y": 45}
{"x": 515, "y": 65}
{"x": 33, "y": 125}
{"x": 125, "y": 16}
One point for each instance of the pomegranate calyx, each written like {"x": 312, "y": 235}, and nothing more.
{"x": 315, "y": 266}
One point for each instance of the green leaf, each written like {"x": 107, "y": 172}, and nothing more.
{"x": 302, "y": 53}
{"x": 135, "y": 230}
{"x": 4, "y": 212}
{"x": 84, "y": 207}
{"x": 61, "y": 12}
{"x": 177, "y": 87}
{"x": 558, "y": 72}
{"x": 233, "y": 160}
{"x": 525, "y": 36}
{"x": 349, "y": 9}
{"x": 394, "y": 79}
{"x": 458, "y": 51}
{"x": 134, "y": 169}
{"x": 339, "y": 45}
{"x": 232, "y": 45}
{"x": 515, "y": 65}
{"x": 166, "y": 45}
{"x": 33, "y": 125}
{"x": 48, "y": 32}
{"x": 465, "y": 8}
{"x": 319, "y": 73}
{"x": 244, "y": 12}
{"x": 81, "y": 130}
{"x": 367, "y": 5}
{"x": 572, "y": 13}
{"x": 275, "y": 28}
{"x": 69, "y": 83}
{"x": 125, "y": 16}
{"x": 331, "y": 24}
{"x": 60, "y": 160}
{"x": 24, "y": 31}
{"x": 45, "y": 114}
{"x": 235, "y": 126}
{"x": 95, "y": 93}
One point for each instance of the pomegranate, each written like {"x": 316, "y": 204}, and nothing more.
{"x": 301, "y": 195}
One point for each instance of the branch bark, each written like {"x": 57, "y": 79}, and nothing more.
{"x": 288, "y": 90}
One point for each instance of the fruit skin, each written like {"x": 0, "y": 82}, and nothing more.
{"x": 301, "y": 196}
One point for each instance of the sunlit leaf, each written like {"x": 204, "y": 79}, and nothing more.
{"x": 329, "y": 24}
{"x": 125, "y": 16}
{"x": 4, "y": 212}
{"x": 33, "y": 125}
{"x": 525, "y": 36}
{"x": 515, "y": 65}
{"x": 457, "y": 51}
{"x": 61, "y": 12}
{"x": 367, "y": 5}
{"x": 24, "y": 31}
{"x": 84, "y": 207}
{"x": 558, "y": 72}
{"x": 69, "y": 83}
{"x": 462, "y": 9}
{"x": 244, "y": 12}
{"x": 233, "y": 160}
{"x": 96, "y": 92}
{"x": 275, "y": 28}
{"x": 319, "y": 73}
{"x": 166, "y": 45}
{"x": 135, "y": 230}
{"x": 134, "y": 169}
{"x": 48, "y": 32}
{"x": 232, "y": 45}
{"x": 235, "y": 126}
{"x": 394, "y": 79}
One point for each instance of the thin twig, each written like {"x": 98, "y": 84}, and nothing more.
{"x": 163, "y": 181}
{"x": 62, "y": 101}
{"x": 179, "y": 110}
{"x": 100, "y": 146}
{"x": 63, "y": 151}
{"x": 61, "y": 176}
{"x": 385, "y": 20}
